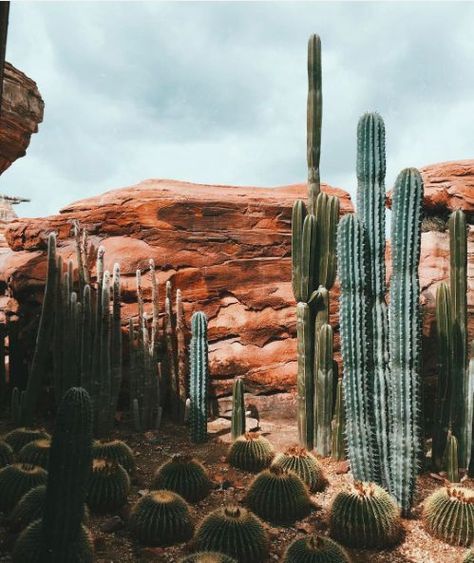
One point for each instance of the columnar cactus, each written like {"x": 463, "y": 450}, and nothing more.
{"x": 452, "y": 458}
{"x": 315, "y": 549}
{"x": 199, "y": 377}
{"x": 338, "y": 448}
{"x": 324, "y": 389}
{"x": 238, "y": 409}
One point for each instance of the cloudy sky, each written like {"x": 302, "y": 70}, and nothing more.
{"x": 216, "y": 92}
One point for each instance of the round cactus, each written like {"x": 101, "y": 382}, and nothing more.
{"x": 109, "y": 485}
{"x": 366, "y": 516}
{"x": 7, "y": 456}
{"x": 115, "y": 450}
{"x": 161, "y": 518}
{"x": 36, "y": 453}
{"x": 185, "y": 476}
{"x": 16, "y": 480}
{"x": 304, "y": 464}
{"x": 315, "y": 549}
{"x": 27, "y": 548}
{"x": 251, "y": 452}
{"x": 449, "y": 515}
{"x": 235, "y": 532}
{"x": 278, "y": 496}
{"x": 19, "y": 437}
{"x": 208, "y": 557}
{"x": 468, "y": 557}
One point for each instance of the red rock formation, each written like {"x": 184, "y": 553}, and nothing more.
{"x": 22, "y": 111}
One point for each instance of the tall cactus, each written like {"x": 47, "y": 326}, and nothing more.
{"x": 314, "y": 120}
{"x": 199, "y": 377}
{"x": 324, "y": 390}
{"x": 238, "y": 409}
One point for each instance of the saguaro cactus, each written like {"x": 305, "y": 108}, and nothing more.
{"x": 199, "y": 377}
{"x": 238, "y": 409}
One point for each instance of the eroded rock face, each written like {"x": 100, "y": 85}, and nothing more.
{"x": 22, "y": 111}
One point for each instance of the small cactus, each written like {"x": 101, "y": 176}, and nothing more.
{"x": 449, "y": 515}
{"x": 315, "y": 549}
{"x": 367, "y": 516}
{"x": 250, "y": 452}
{"x": 161, "y": 518}
{"x": 109, "y": 485}
{"x": 115, "y": 450}
{"x": 6, "y": 454}
{"x": 278, "y": 496}
{"x": 208, "y": 557}
{"x": 16, "y": 480}
{"x": 36, "y": 453}
{"x": 233, "y": 531}
{"x": 304, "y": 464}
{"x": 183, "y": 475}
{"x": 19, "y": 437}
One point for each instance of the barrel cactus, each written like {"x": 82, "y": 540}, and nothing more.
{"x": 16, "y": 480}
{"x": 109, "y": 485}
{"x": 250, "y": 452}
{"x": 278, "y": 496}
{"x": 36, "y": 453}
{"x": 28, "y": 509}
{"x": 19, "y": 437}
{"x": 7, "y": 456}
{"x": 316, "y": 549}
{"x": 208, "y": 557}
{"x": 115, "y": 450}
{"x": 449, "y": 515}
{"x": 233, "y": 531}
{"x": 367, "y": 516}
{"x": 185, "y": 476}
{"x": 161, "y": 518}
{"x": 468, "y": 557}
{"x": 304, "y": 464}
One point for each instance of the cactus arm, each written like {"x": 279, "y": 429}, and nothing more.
{"x": 314, "y": 120}
{"x": 327, "y": 218}
{"x": 309, "y": 256}
{"x": 305, "y": 378}
{"x": 297, "y": 220}
{"x": 324, "y": 392}
{"x": 238, "y": 409}
{"x": 405, "y": 337}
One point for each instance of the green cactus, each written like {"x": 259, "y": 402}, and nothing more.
{"x": 324, "y": 392}
{"x": 235, "y": 532}
{"x": 181, "y": 362}
{"x": 19, "y": 437}
{"x": 250, "y": 452}
{"x": 16, "y": 480}
{"x": 199, "y": 377}
{"x": 115, "y": 450}
{"x": 161, "y": 518}
{"x": 314, "y": 120}
{"x": 304, "y": 464}
{"x": 238, "y": 409}
{"x": 28, "y": 509}
{"x": 108, "y": 488}
{"x": 468, "y": 557}
{"x": 452, "y": 458}
{"x": 208, "y": 557}
{"x": 305, "y": 378}
{"x": 36, "y": 453}
{"x": 315, "y": 549}
{"x": 6, "y": 454}
{"x": 278, "y": 496}
{"x": 367, "y": 517}
{"x": 448, "y": 514}
{"x": 185, "y": 476}
{"x": 338, "y": 447}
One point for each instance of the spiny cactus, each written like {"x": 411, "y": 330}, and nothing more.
{"x": 315, "y": 549}
{"x": 278, "y": 496}
{"x": 238, "y": 409}
{"x": 16, "y": 480}
{"x": 109, "y": 485}
{"x": 324, "y": 389}
{"x": 233, "y": 531}
{"x": 28, "y": 509}
{"x": 250, "y": 452}
{"x": 451, "y": 459}
{"x": 468, "y": 557}
{"x": 115, "y": 450}
{"x": 19, "y": 437}
{"x": 338, "y": 448}
{"x": 183, "y": 475}
{"x": 367, "y": 516}
{"x": 208, "y": 557}
{"x": 304, "y": 464}
{"x": 199, "y": 377}
{"x": 161, "y": 518}
{"x": 6, "y": 454}
{"x": 448, "y": 514}
{"x": 36, "y": 453}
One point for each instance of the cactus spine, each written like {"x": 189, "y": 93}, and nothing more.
{"x": 238, "y": 409}
{"x": 199, "y": 377}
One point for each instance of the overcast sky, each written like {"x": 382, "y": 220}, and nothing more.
{"x": 216, "y": 92}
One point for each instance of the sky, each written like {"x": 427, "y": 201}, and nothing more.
{"x": 215, "y": 92}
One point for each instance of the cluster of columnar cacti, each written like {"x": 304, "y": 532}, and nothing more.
{"x": 251, "y": 452}
{"x": 304, "y": 464}
{"x": 313, "y": 274}
{"x": 198, "y": 378}
{"x": 454, "y": 405}
{"x": 381, "y": 359}
{"x": 315, "y": 549}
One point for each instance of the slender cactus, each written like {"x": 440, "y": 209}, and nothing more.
{"x": 314, "y": 120}
{"x": 324, "y": 390}
{"x": 181, "y": 353}
{"x": 199, "y": 377}
{"x": 338, "y": 448}
{"x": 170, "y": 335}
{"x": 116, "y": 341}
{"x": 238, "y": 409}
{"x": 305, "y": 381}
{"x": 451, "y": 457}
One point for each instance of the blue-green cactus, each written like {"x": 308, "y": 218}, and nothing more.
{"x": 199, "y": 377}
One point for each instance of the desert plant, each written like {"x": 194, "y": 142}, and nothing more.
{"x": 338, "y": 448}
{"x": 250, "y": 452}
{"x": 315, "y": 549}
{"x": 28, "y": 509}
{"x": 366, "y": 516}
{"x": 199, "y": 377}
{"x": 16, "y": 480}
{"x": 184, "y": 475}
{"x": 278, "y": 496}
{"x": 6, "y": 454}
{"x": 468, "y": 557}
{"x": 238, "y": 409}
{"x": 208, "y": 557}
{"x": 108, "y": 488}
{"x": 19, "y": 437}
{"x": 452, "y": 458}
{"x": 36, "y": 453}
{"x": 161, "y": 518}
{"x": 233, "y": 531}
{"x": 304, "y": 464}
{"x": 448, "y": 514}
{"x": 324, "y": 389}
{"x": 115, "y": 450}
